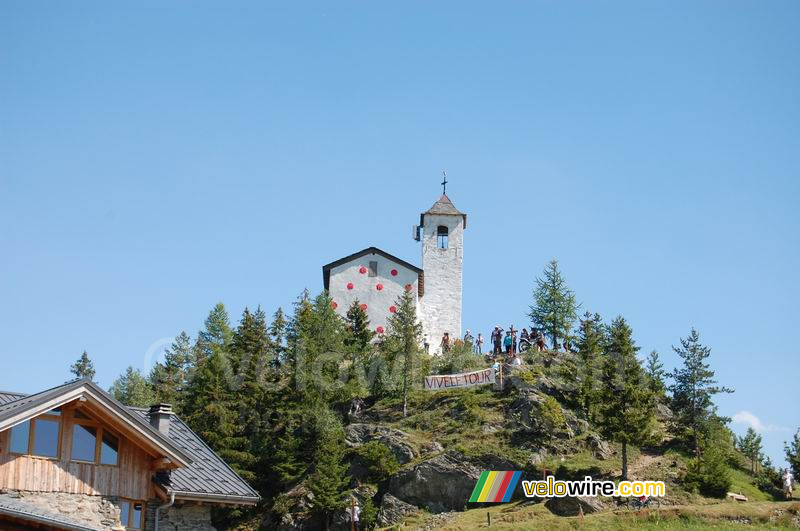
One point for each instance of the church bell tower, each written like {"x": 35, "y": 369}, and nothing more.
{"x": 441, "y": 231}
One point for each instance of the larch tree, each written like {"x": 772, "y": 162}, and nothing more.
{"x": 329, "y": 481}
{"x": 169, "y": 378}
{"x": 751, "y": 446}
{"x": 792, "y": 450}
{"x": 405, "y": 336}
{"x": 133, "y": 389}
{"x": 83, "y": 367}
{"x": 655, "y": 374}
{"x": 555, "y": 307}
{"x": 693, "y": 390}
{"x": 626, "y": 405}
{"x": 590, "y": 343}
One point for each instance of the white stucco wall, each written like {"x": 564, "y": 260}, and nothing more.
{"x": 365, "y": 288}
{"x": 440, "y": 306}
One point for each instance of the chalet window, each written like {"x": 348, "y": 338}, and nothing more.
{"x": 39, "y": 437}
{"x": 441, "y": 237}
{"x": 373, "y": 269}
{"x": 131, "y": 513}
{"x": 84, "y": 443}
{"x": 92, "y": 443}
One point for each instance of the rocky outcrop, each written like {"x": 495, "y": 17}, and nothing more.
{"x": 397, "y": 441}
{"x": 394, "y": 510}
{"x": 442, "y": 483}
{"x": 571, "y": 506}
{"x": 599, "y": 447}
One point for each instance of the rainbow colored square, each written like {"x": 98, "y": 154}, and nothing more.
{"x": 495, "y": 486}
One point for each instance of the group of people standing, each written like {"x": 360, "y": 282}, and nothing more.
{"x": 501, "y": 341}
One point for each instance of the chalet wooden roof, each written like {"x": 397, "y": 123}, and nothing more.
{"x": 204, "y": 477}
{"x": 27, "y": 407}
{"x": 208, "y": 477}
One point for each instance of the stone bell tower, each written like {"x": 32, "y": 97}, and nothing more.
{"x": 441, "y": 230}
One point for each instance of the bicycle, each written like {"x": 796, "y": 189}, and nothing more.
{"x": 644, "y": 502}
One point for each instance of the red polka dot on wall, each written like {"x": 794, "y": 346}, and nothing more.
{"x": 394, "y": 272}
{"x": 364, "y": 307}
{"x": 409, "y": 287}
{"x": 379, "y": 287}
{"x": 334, "y": 305}
{"x": 379, "y": 329}
{"x": 349, "y": 285}
{"x": 362, "y": 270}
{"x": 393, "y": 309}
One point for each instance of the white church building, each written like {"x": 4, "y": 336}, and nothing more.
{"x": 376, "y": 278}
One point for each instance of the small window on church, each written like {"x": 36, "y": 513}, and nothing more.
{"x": 441, "y": 237}
{"x": 373, "y": 269}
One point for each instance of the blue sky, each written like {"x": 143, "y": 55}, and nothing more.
{"x": 156, "y": 158}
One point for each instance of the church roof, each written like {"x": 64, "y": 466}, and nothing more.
{"x": 443, "y": 207}
{"x": 326, "y": 269}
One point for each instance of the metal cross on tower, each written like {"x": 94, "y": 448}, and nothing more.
{"x": 444, "y": 183}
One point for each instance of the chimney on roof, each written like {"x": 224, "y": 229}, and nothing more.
{"x": 159, "y": 417}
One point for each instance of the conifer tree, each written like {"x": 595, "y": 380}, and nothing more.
{"x": 750, "y": 445}
{"x": 297, "y": 331}
{"x": 277, "y": 333}
{"x": 133, "y": 389}
{"x": 626, "y": 404}
{"x": 693, "y": 390}
{"x": 329, "y": 482}
{"x": 168, "y": 379}
{"x": 317, "y": 345}
{"x": 555, "y": 308}
{"x": 208, "y": 406}
{"x": 251, "y": 354}
{"x": 792, "y": 450}
{"x": 590, "y": 344}
{"x": 83, "y": 367}
{"x": 405, "y": 334}
{"x": 358, "y": 342}
{"x": 655, "y": 374}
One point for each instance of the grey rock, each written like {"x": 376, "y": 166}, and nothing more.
{"x": 569, "y": 506}
{"x": 442, "y": 483}
{"x": 394, "y": 511}
{"x": 599, "y": 447}
{"x": 397, "y": 441}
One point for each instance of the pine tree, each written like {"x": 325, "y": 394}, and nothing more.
{"x": 590, "y": 344}
{"x": 360, "y": 335}
{"x": 133, "y": 389}
{"x": 297, "y": 331}
{"x": 405, "y": 335}
{"x": 693, "y": 389}
{"x": 277, "y": 333}
{"x": 83, "y": 367}
{"x": 750, "y": 446}
{"x": 626, "y": 404}
{"x": 792, "y": 450}
{"x": 655, "y": 374}
{"x": 208, "y": 407}
{"x": 316, "y": 340}
{"x": 329, "y": 482}
{"x": 555, "y": 308}
{"x": 169, "y": 378}
{"x": 251, "y": 354}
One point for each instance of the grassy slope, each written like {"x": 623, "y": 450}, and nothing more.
{"x": 722, "y": 515}
{"x": 473, "y": 422}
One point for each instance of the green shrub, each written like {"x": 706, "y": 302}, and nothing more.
{"x": 378, "y": 459}
{"x": 709, "y": 474}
